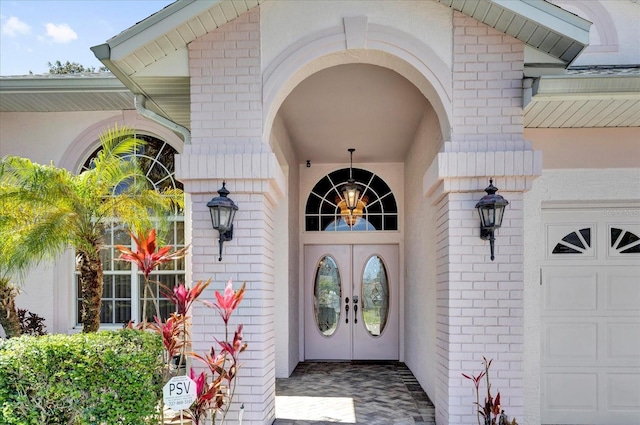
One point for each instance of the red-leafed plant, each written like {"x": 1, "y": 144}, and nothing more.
{"x": 217, "y": 395}
{"x": 491, "y": 411}
{"x": 147, "y": 258}
{"x": 213, "y": 397}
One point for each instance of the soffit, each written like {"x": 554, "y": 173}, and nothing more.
{"x": 151, "y": 59}
{"x": 585, "y": 99}
{"x": 68, "y": 93}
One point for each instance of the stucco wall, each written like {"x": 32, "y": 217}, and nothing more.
{"x": 45, "y": 136}
{"x": 587, "y": 147}
{"x": 286, "y": 263}
{"x": 420, "y": 258}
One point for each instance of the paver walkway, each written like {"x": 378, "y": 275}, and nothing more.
{"x": 326, "y": 393}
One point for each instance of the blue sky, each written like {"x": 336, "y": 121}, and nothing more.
{"x": 34, "y": 32}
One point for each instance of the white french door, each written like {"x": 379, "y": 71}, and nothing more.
{"x": 351, "y": 302}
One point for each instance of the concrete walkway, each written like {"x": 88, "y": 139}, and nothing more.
{"x": 326, "y": 393}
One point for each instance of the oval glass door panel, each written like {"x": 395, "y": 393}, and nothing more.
{"x": 327, "y": 296}
{"x": 375, "y": 296}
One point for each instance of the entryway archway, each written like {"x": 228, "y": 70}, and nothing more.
{"x": 351, "y": 302}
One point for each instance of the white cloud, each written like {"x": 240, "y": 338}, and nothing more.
{"x": 14, "y": 27}
{"x": 60, "y": 33}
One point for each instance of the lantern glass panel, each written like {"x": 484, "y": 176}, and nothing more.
{"x": 499, "y": 215}
{"x": 232, "y": 214}
{"x": 225, "y": 214}
{"x": 486, "y": 216}
{"x": 351, "y": 195}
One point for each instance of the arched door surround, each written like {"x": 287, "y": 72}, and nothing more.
{"x": 385, "y": 46}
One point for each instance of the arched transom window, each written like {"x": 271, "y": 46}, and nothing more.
{"x": 326, "y": 208}
{"x": 122, "y": 294}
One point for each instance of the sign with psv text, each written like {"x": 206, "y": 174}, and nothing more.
{"x": 179, "y": 393}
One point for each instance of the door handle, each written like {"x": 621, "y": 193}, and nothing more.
{"x": 346, "y": 308}
{"x": 355, "y": 309}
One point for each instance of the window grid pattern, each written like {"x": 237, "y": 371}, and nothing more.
{"x": 122, "y": 282}
{"x": 322, "y": 211}
{"x": 621, "y": 240}
{"x": 574, "y": 243}
{"x": 624, "y": 241}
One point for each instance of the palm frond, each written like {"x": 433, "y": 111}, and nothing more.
{"x": 31, "y": 243}
{"x": 48, "y": 209}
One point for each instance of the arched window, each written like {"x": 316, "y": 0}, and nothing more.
{"x": 326, "y": 208}
{"x": 122, "y": 294}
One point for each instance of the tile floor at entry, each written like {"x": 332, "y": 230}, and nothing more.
{"x": 325, "y": 393}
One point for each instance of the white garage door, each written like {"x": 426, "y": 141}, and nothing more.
{"x": 590, "y": 322}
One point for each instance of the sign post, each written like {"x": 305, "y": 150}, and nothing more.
{"x": 179, "y": 393}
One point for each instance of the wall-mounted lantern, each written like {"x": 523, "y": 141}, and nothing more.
{"x": 223, "y": 211}
{"x": 491, "y": 210}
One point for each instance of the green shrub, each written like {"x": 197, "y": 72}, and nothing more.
{"x": 96, "y": 378}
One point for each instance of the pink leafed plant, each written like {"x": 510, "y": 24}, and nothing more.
{"x": 214, "y": 395}
{"x": 224, "y": 364}
{"x": 148, "y": 258}
{"x": 227, "y": 303}
{"x": 183, "y": 298}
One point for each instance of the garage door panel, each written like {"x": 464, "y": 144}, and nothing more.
{"x": 623, "y": 291}
{"x": 571, "y": 391}
{"x": 624, "y": 392}
{"x": 623, "y": 342}
{"x": 571, "y": 291}
{"x": 570, "y": 342}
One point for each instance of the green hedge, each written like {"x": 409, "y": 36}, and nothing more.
{"x": 100, "y": 378}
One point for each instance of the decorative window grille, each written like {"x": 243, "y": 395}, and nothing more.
{"x": 574, "y": 243}
{"x": 624, "y": 242}
{"x": 325, "y": 209}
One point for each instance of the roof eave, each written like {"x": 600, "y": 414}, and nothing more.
{"x": 103, "y": 53}
{"x": 149, "y": 29}
{"x": 67, "y": 84}
{"x": 583, "y": 101}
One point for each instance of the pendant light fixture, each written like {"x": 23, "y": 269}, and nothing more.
{"x": 351, "y": 191}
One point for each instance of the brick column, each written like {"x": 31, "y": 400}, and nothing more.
{"x": 480, "y": 306}
{"x": 479, "y": 301}
{"x": 226, "y": 126}
{"x": 248, "y": 258}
